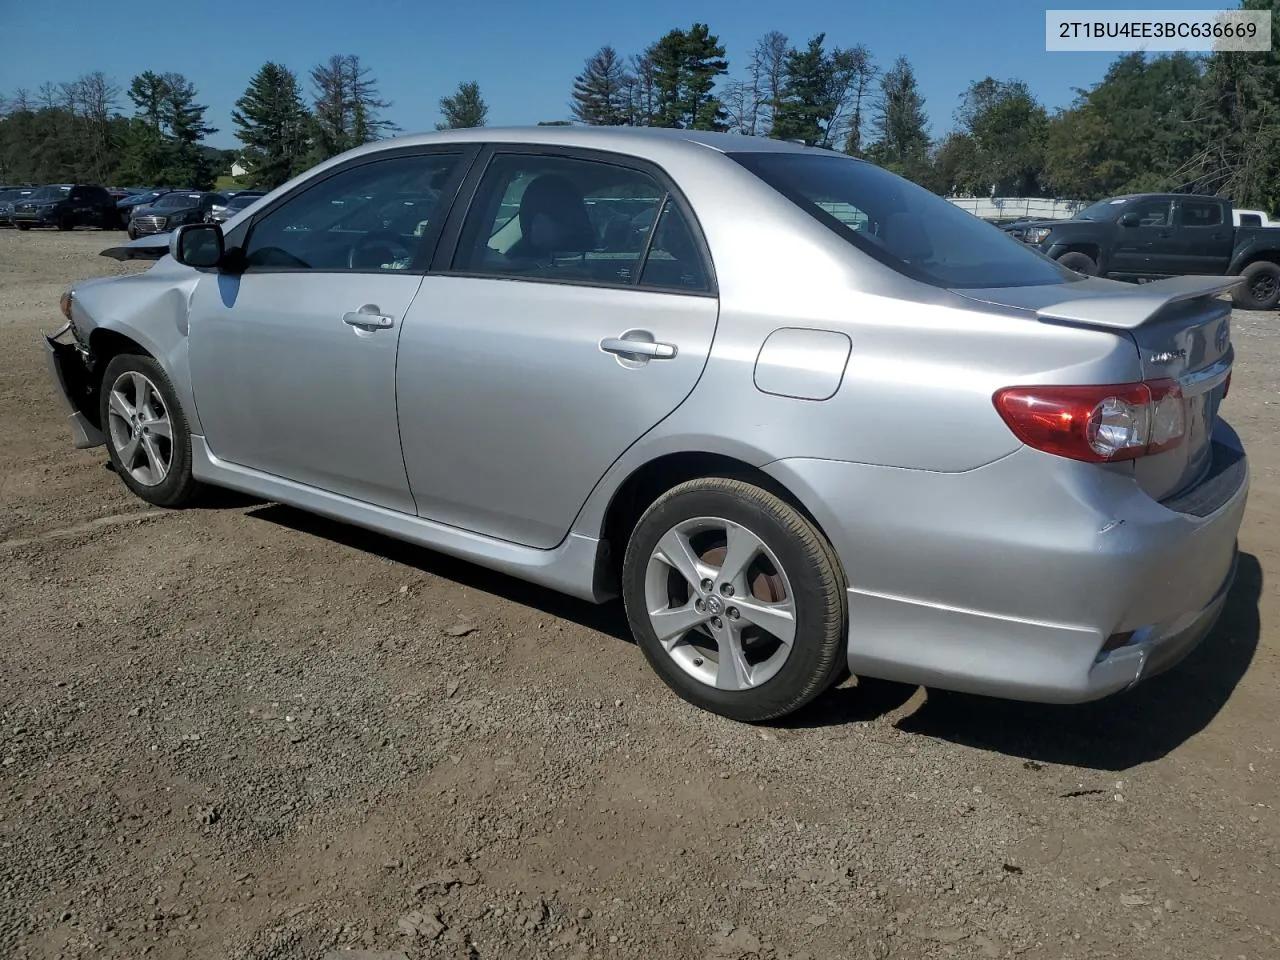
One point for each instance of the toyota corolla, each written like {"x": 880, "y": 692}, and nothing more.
{"x": 803, "y": 416}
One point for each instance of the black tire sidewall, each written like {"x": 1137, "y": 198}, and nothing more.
{"x": 820, "y": 615}
{"x": 177, "y": 486}
{"x": 1085, "y": 263}
{"x": 1244, "y": 295}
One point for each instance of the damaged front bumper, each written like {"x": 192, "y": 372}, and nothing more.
{"x": 71, "y": 376}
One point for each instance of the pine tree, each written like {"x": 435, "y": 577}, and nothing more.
{"x": 600, "y": 91}
{"x": 901, "y": 127}
{"x": 347, "y": 110}
{"x": 273, "y": 126}
{"x": 164, "y": 145}
{"x": 466, "y": 108}
{"x": 685, "y": 65}
{"x": 805, "y": 102}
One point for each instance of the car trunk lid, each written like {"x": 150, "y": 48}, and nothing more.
{"x": 1181, "y": 329}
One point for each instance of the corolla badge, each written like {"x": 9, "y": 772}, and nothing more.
{"x": 1166, "y": 357}
{"x": 1223, "y": 338}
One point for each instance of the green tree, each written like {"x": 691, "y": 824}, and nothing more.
{"x": 1134, "y": 131}
{"x": 600, "y": 90}
{"x": 900, "y": 124}
{"x": 1007, "y": 129}
{"x": 273, "y": 126}
{"x": 465, "y": 108}
{"x": 346, "y": 110}
{"x": 804, "y": 104}
{"x": 163, "y": 146}
{"x": 685, "y": 65}
{"x": 1236, "y": 123}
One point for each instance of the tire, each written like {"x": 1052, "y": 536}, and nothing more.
{"x": 1259, "y": 287}
{"x": 792, "y": 564}
{"x": 65, "y": 224}
{"x": 1079, "y": 262}
{"x": 173, "y": 486}
{"x": 23, "y": 226}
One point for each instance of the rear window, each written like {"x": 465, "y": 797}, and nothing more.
{"x": 903, "y": 225}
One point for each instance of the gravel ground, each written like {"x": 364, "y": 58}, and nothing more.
{"x": 242, "y": 732}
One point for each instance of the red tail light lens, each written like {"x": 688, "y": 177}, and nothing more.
{"x": 1096, "y": 424}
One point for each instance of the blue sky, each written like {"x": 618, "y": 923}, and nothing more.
{"x": 524, "y": 55}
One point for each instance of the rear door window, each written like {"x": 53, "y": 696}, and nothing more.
{"x": 577, "y": 220}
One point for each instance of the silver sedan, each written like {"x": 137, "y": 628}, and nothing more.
{"x": 806, "y": 418}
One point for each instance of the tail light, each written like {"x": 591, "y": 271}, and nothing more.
{"x": 1096, "y": 424}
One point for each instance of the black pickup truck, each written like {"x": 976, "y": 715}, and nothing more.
{"x": 1149, "y": 236}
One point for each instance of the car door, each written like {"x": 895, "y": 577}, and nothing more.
{"x": 293, "y": 359}
{"x": 576, "y": 311}
{"x": 1146, "y": 248}
{"x": 1206, "y": 239}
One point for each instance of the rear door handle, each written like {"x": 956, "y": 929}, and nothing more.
{"x": 635, "y": 349}
{"x": 368, "y": 318}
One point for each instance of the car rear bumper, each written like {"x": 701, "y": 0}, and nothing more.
{"x": 69, "y": 377}
{"x": 1010, "y": 580}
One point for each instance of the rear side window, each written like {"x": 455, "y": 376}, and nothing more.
{"x": 1250, "y": 220}
{"x": 1199, "y": 213}
{"x": 904, "y": 226}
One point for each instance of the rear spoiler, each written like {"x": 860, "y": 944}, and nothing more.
{"x": 1130, "y": 310}
{"x": 151, "y": 247}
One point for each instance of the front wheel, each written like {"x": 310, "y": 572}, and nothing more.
{"x": 1080, "y": 263}
{"x": 147, "y": 436}
{"x": 1259, "y": 287}
{"x": 736, "y": 599}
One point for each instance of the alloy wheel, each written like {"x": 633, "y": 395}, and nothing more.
{"x": 720, "y": 603}
{"x": 140, "y": 428}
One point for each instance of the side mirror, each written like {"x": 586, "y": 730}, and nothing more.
{"x": 1130, "y": 220}
{"x": 197, "y": 244}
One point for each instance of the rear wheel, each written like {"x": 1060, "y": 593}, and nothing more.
{"x": 66, "y": 223}
{"x": 736, "y": 599}
{"x": 23, "y": 226}
{"x": 147, "y": 436}
{"x": 1080, "y": 263}
{"x": 1259, "y": 287}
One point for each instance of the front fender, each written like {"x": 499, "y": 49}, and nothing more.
{"x": 150, "y": 310}
{"x": 1250, "y": 251}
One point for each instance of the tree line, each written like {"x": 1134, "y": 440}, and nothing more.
{"x": 1178, "y": 122}
{"x": 153, "y": 132}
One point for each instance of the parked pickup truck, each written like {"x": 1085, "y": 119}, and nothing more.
{"x": 1148, "y": 236}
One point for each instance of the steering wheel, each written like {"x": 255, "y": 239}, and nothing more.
{"x": 392, "y": 244}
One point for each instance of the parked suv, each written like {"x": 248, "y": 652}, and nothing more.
{"x": 173, "y": 210}
{"x": 67, "y": 206}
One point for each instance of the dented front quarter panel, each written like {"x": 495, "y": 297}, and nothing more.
{"x": 152, "y": 310}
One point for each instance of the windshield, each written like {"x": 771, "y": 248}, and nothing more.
{"x": 172, "y": 200}
{"x": 50, "y": 193}
{"x": 1102, "y": 210}
{"x": 904, "y": 226}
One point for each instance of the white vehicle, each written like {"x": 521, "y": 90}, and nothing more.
{"x": 1253, "y": 218}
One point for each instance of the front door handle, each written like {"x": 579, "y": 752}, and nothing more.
{"x": 368, "y": 318}
{"x": 630, "y": 346}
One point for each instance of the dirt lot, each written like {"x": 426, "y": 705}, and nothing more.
{"x": 241, "y": 732}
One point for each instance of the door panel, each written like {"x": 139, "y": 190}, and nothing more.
{"x": 293, "y": 361}
{"x": 1205, "y": 239}
{"x": 510, "y": 410}
{"x": 1149, "y": 249}
{"x": 284, "y": 385}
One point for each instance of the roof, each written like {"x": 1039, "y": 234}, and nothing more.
{"x": 604, "y": 138}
